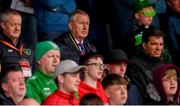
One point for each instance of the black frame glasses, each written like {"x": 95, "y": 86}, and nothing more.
{"x": 99, "y": 65}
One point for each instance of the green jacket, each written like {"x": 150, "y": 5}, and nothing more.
{"x": 40, "y": 85}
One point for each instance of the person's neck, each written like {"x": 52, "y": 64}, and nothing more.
{"x": 14, "y": 40}
{"x": 78, "y": 40}
{"x": 91, "y": 82}
{"x": 114, "y": 103}
{"x": 170, "y": 98}
{"x": 17, "y": 99}
{"x": 62, "y": 89}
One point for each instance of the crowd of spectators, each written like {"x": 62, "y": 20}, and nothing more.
{"x": 89, "y": 52}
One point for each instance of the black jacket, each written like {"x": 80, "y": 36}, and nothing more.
{"x": 69, "y": 48}
{"x": 139, "y": 70}
{"x": 10, "y": 56}
{"x": 4, "y": 100}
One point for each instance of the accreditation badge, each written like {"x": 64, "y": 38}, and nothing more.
{"x": 26, "y": 68}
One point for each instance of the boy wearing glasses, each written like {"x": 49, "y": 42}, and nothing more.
{"x": 91, "y": 77}
{"x": 167, "y": 84}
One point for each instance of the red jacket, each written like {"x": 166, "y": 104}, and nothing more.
{"x": 85, "y": 89}
{"x": 60, "y": 98}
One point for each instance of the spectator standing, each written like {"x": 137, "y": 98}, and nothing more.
{"x": 52, "y": 17}
{"x": 91, "y": 77}
{"x": 42, "y": 84}
{"x": 12, "y": 49}
{"x": 74, "y": 43}
{"x": 141, "y": 66}
{"x": 12, "y": 84}
{"x": 67, "y": 78}
{"x": 143, "y": 17}
{"x": 166, "y": 81}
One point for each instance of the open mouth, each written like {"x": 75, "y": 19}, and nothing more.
{"x": 172, "y": 88}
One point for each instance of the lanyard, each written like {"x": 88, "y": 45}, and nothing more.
{"x": 13, "y": 47}
{"x": 74, "y": 43}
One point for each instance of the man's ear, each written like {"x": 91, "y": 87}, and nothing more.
{"x": 60, "y": 79}
{"x": 4, "y": 87}
{"x": 144, "y": 45}
{"x": 2, "y": 25}
{"x": 70, "y": 25}
{"x": 136, "y": 15}
{"x": 107, "y": 92}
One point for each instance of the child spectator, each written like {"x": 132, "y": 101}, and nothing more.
{"x": 143, "y": 17}
{"x": 116, "y": 89}
{"x": 90, "y": 99}
{"x": 67, "y": 78}
{"x": 91, "y": 80}
{"x": 117, "y": 61}
{"x": 143, "y": 14}
{"x": 166, "y": 82}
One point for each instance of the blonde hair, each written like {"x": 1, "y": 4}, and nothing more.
{"x": 171, "y": 72}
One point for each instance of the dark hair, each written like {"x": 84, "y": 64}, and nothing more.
{"x": 113, "y": 79}
{"x": 90, "y": 99}
{"x": 84, "y": 59}
{"x": 5, "y": 71}
{"x": 149, "y": 32}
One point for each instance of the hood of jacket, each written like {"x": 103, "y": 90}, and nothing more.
{"x": 158, "y": 74}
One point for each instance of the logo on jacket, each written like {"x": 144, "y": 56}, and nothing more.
{"x": 27, "y": 51}
{"x": 10, "y": 50}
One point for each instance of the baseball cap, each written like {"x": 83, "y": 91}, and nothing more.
{"x": 67, "y": 66}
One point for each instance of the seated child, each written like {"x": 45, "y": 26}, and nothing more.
{"x": 115, "y": 88}
{"x": 166, "y": 82}
{"x": 90, "y": 99}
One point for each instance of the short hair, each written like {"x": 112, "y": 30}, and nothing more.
{"x": 113, "y": 79}
{"x": 4, "y": 15}
{"x": 90, "y": 99}
{"x": 5, "y": 71}
{"x": 149, "y": 32}
{"x": 73, "y": 14}
{"x": 84, "y": 59}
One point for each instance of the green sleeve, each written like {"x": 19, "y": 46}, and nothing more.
{"x": 32, "y": 92}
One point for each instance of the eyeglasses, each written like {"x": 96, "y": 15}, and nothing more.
{"x": 100, "y": 66}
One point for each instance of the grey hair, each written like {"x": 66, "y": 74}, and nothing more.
{"x": 4, "y": 15}
{"x": 73, "y": 14}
